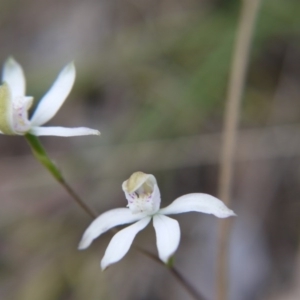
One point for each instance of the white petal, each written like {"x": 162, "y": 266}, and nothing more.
{"x": 13, "y": 75}
{"x": 121, "y": 242}
{"x": 200, "y": 203}
{"x": 55, "y": 97}
{"x": 167, "y": 236}
{"x": 63, "y": 131}
{"x": 107, "y": 221}
{"x": 156, "y": 198}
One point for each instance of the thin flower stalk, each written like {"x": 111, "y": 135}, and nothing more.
{"x": 41, "y": 155}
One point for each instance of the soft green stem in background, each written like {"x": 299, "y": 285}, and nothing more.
{"x": 249, "y": 11}
{"x": 41, "y": 155}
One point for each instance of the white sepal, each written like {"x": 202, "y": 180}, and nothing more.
{"x": 106, "y": 221}
{"x": 167, "y": 236}
{"x": 198, "y": 202}
{"x": 13, "y": 75}
{"x": 63, "y": 131}
{"x": 121, "y": 242}
{"x": 55, "y": 97}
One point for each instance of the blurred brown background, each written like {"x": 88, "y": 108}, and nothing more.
{"x": 152, "y": 76}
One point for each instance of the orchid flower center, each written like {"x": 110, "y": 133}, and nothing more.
{"x": 21, "y": 104}
{"x": 142, "y": 193}
{"x": 140, "y": 203}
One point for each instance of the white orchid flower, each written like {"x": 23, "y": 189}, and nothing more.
{"x": 142, "y": 192}
{"x": 14, "y": 104}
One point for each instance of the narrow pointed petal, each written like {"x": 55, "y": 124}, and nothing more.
{"x": 200, "y": 203}
{"x": 55, "y": 97}
{"x": 13, "y": 75}
{"x": 121, "y": 242}
{"x": 167, "y": 236}
{"x": 63, "y": 131}
{"x": 106, "y": 221}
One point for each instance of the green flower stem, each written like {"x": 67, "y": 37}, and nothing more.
{"x": 41, "y": 155}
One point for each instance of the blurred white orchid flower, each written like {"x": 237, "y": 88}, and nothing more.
{"x": 14, "y": 104}
{"x": 143, "y": 195}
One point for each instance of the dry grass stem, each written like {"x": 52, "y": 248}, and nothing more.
{"x": 248, "y": 15}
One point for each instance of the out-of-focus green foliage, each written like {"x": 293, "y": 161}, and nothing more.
{"x": 176, "y": 75}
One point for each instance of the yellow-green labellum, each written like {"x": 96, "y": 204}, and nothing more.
{"x": 5, "y": 110}
{"x": 137, "y": 180}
